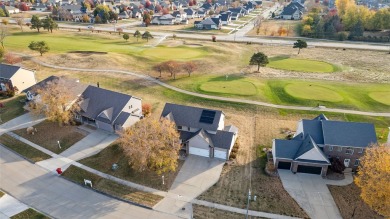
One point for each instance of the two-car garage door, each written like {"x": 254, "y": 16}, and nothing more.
{"x": 199, "y": 152}
{"x": 309, "y": 169}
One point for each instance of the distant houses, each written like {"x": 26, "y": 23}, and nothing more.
{"x": 293, "y": 11}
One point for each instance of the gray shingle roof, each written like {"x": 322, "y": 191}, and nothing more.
{"x": 286, "y": 148}
{"x": 122, "y": 118}
{"x": 7, "y": 71}
{"x": 348, "y": 133}
{"x": 103, "y": 100}
{"x": 189, "y": 116}
{"x": 314, "y": 129}
{"x": 289, "y": 10}
{"x": 222, "y": 139}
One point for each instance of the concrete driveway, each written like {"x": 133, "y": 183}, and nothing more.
{"x": 195, "y": 176}
{"x": 311, "y": 193}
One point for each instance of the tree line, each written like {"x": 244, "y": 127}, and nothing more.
{"x": 349, "y": 21}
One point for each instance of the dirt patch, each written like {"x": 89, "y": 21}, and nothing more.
{"x": 88, "y": 52}
{"x": 350, "y": 204}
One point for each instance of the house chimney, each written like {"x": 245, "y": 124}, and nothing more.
{"x": 98, "y": 85}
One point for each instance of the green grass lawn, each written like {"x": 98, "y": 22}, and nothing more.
{"x": 23, "y": 149}
{"x": 307, "y": 91}
{"x": 110, "y": 187}
{"x": 382, "y": 97}
{"x": 304, "y": 65}
{"x": 29, "y": 214}
{"x": 12, "y": 108}
{"x": 1, "y": 194}
{"x": 114, "y": 154}
{"x": 48, "y": 133}
{"x": 62, "y": 42}
{"x": 290, "y": 92}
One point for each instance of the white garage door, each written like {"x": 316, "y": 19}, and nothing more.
{"x": 220, "y": 154}
{"x": 199, "y": 152}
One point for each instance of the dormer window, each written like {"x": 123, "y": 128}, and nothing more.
{"x": 349, "y": 151}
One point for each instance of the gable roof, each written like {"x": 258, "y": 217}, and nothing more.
{"x": 189, "y": 11}
{"x": 7, "y": 71}
{"x": 190, "y": 116}
{"x": 289, "y": 10}
{"x": 104, "y": 105}
{"x": 348, "y": 133}
{"x": 286, "y": 148}
{"x": 314, "y": 129}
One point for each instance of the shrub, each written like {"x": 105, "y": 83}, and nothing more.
{"x": 214, "y": 38}
{"x": 341, "y": 36}
{"x": 336, "y": 165}
{"x": 232, "y": 156}
{"x": 146, "y": 109}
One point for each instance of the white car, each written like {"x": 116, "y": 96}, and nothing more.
{"x": 90, "y": 27}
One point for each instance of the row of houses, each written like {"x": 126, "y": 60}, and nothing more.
{"x": 203, "y": 132}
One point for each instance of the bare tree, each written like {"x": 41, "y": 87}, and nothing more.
{"x": 151, "y": 144}
{"x": 172, "y": 67}
{"x": 189, "y": 67}
{"x": 20, "y": 21}
{"x": 56, "y": 102}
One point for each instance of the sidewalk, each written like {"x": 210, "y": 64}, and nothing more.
{"x": 23, "y": 121}
{"x": 9, "y": 206}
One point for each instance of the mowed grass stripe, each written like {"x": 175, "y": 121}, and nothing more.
{"x": 303, "y": 65}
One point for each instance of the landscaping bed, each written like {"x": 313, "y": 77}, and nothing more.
{"x": 23, "y": 149}
{"x": 350, "y": 204}
{"x": 110, "y": 187}
{"x": 13, "y": 107}
{"x": 104, "y": 160}
{"x": 203, "y": 212}
{"x": 48, "y": 133}
{"x": 29, "y": 214}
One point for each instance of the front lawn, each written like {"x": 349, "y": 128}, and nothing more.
{"x": 110, "y": 187}
{"x": 23, "y": 149}
{"x": 104, "y": 160}
{"x": 29, "y": 214}
{"x": 12, "y": 108}
{"x": 48, "y": 133}
{"x": 350, "y": 204}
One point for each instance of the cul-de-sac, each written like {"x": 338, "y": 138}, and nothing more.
{"x": 195, "y": 109}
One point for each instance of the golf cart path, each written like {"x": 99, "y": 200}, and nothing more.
{"x": 235, "y": 100}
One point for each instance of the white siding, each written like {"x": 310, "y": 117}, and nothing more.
{"x": 132, "y": 106}
{"x": 221, "y": 124}
{"x": 273, "y": 151}
{"x": 299, "y": 129}
{"x": 198, "y": 142}
{"x": 130, "y": 121}
{"x": 313, "y": 154}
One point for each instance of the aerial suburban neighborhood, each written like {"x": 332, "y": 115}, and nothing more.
{"x": 205, "y": 109}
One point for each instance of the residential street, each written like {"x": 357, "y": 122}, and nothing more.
{"x": 58, "y": 197}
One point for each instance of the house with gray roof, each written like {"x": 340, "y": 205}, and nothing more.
{"x": 108, "y": 110}
{"x": 318, "y": 141}
{"x": 202, "y": 131}
{"x": 12, "y": 76}
{"x": 166, "y": 19}
{"x": 293, "y": 11}
{"x": 213, "y": 23}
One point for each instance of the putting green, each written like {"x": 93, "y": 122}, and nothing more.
{"x": 304, "y": 65}
{"x": 381, "y": 97}
{"x": 236, "y": 87}
{"x": 312, "y": 92}
{"x": 167, "y": 53}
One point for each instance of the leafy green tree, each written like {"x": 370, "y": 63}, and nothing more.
{"x": 2, "y": 13}
{"x": 40, "y": 46}
{"x": 49, "y": 24}
{"x": 126, "y": 36}
{"x": 300, "y": 44}
{"x": 147, "y": 35}
{"x": 146, "y": 18}
{"x": 137, "y": 34}
{"x": 357, "y": 30}
{"x": 36, "y": 23}
{"x": 103, "y": 11}
{"x": 259, "y": 59}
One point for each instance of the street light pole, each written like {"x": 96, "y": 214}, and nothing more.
{"x": 247, "y": 206}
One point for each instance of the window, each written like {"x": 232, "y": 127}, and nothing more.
{"x": 179, "y": 127}
{"x": 188, "y": 128}
{"x": 131, "y": 106}
{"x": 357, "y": 162}
{"x": 339, "y": 148}
{"x": 360, "y": 150}
{"x": 330, "y": 148}
{"x": 349, "y": 151}
{"x": 346, "y": 162}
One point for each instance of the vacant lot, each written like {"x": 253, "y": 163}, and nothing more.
{"x": 272, "y": 27}
{"x": 113, "y": 154}
{"x": 12, "y": 108}
{"x": 23, "y": 149}
{"x": 29, "y": 214}
{"x": 203, "y": 212}
{"x": 49, "y": 133}
{"x": 112, "y": 188}
{"x": 349, "y": 202}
